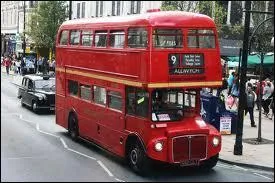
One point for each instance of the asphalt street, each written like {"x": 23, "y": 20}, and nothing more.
{"x": 34, "y": 148}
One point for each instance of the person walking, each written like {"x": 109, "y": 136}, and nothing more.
{"x": 7, "y": 64}
{"x": 235, "y": 92}
{"x": 250, "y": 103}
{"x": 258, "y": 92}
{"x": 267, "y": 92}
{"x": 230, "y": 82}
{"x": 18, "y": 66}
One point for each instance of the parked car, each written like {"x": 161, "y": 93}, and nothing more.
{"x": 37, "y": 92}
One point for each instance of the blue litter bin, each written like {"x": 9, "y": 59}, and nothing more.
{"x": 212, "y": 109}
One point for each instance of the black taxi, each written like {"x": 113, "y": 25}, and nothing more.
{"x": 37, "y": 92}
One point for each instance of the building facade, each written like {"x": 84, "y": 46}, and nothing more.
{"x": 90, "y": 9}
{"x": 12, "y": 25}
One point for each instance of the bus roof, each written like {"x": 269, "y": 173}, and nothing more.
{"x": 162, "y": 18}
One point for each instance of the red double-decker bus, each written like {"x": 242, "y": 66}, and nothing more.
{"x": 132, "y": 85}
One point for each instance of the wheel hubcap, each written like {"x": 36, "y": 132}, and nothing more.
{"x": 134, "y": 156}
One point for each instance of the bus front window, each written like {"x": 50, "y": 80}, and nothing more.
{"x": 167, "y": 105}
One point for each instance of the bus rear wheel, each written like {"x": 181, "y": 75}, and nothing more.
{"x": 73, "y": 127}
{"x": 138, "y": 160}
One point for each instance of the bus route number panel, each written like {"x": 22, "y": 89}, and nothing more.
{"x": 185, "y": 64}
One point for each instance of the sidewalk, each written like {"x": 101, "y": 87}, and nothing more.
{"x": 254, "y": 156}
{"x": 257, "y": 156}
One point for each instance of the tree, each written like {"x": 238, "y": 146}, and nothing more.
{"x": 210, "y": 8}
{"x": 45, "y": 20}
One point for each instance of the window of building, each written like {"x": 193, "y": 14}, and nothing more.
{"x": 87, "y": 38}
{"x": 85, "y": 92}
{"x": 100, "y": 38}
{"x": 117, "y": 39}
{"x": 167, "y": 38}
{"x": 202, "y": 38}
{"x": 78, "y": 10}
{"x": 99, "y": 8}
{"x": 135, "y": 7}
{"x": 75, "y": 37}
{"x": 73, "y": 87}
{"x": 115, "y": 8}
{"x": 115, "y": 100}
{"x": 64, "y": 37}
{"x": 137, "y": 101}
{"x": 83, "y": 10}
{"x": 137, "y": 38}
{"x": 99, "y": 95}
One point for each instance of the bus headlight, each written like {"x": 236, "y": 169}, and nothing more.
{"x": 158, "y": 146}
{"x": 215, "y": 141}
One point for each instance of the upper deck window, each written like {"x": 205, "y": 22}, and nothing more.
{"x": 75, "y": 37}
{"x": 137, "y": 38}
{"x": 203, "y": 38}
{"x": 117, "y": 39}
{"x": 100, "y": 38}
{"x": 167, "y": 38}
{"x": 64, "y": 37}
{"x": 87, "y": 38}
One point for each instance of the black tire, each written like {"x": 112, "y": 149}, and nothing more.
{"x": 73, "y": 127}
{"x": 34, "y": 107}
{"x": 138, "y": 160}
{"x": 210, "y": 163}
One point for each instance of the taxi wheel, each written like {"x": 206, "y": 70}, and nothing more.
{"x": 34, "y": 106}
{"x": 73, "y": 127}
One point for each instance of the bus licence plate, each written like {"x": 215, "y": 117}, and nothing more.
{"x": 190, "y": 162}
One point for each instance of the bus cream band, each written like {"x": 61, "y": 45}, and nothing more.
{"x": 139, "y": 84}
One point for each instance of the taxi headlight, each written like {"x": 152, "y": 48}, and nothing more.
{"x": 158, "y": 146}
{"x": 215, "y": 141}
{"x": 40, "y": 97}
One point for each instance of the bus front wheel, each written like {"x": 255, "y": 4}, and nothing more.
{"x": 73, "y": 127}
{"x": 210, "y": 163}
{"x": 137, "y": 159}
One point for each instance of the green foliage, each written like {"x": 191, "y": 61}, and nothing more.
{"x": 45, "y": 20}
{"x": 214, "y": 10}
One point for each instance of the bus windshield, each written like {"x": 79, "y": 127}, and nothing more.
{"x": 171, "y": 104}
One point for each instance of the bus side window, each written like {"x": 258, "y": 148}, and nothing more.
{"x": 137, "y": 38}
{"x": 137, "y": 101}
{"x": 100, "y": 38}
{"x": 75, "y": 37}
{"x": 99, "y": 95}
{"x": 73, "y": 87}
{"x": 64, "y": 37}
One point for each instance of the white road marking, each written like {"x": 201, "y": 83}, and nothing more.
{"x": 81, "y": 154}
{"x": 37, "y": 128}
{"x": 105, "y": 168}
{"x": 119, "y": 180}
{"x": 26, "y": 157}
{"x": 240, "y": 167}
{"x": 63, "y": 142}
{"x": 65, "y": 146}
{"x": 262, "y": 176}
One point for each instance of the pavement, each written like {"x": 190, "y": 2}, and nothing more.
{"x": 260, "y": 156}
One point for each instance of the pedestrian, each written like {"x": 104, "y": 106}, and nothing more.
{"x": 23, "y": 64}
{"x": 250, "y": 103}
{"x": 18, "y": 66}
{"x": 266, "y": 99}
{"x": 7, "y": 64}
{"x": 45, "y": 66}
{"x": 40, "y": 63}
{"x": 235, "y": 92}
{"x": 258, "y": 93}
{"x": 35, "y": 65}
{"x": 230, "y": 82}
{"x": 271, "y": 106}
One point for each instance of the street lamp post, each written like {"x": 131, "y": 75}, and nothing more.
{"x": 24, "y": 26}
{"x": 238, "y": 147}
